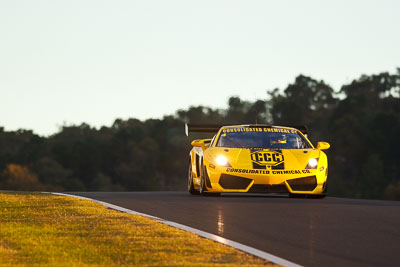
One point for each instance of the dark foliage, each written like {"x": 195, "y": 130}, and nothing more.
{"x": 362, "y": 123}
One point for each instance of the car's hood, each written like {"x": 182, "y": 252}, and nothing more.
{"x": 249, "y": 158}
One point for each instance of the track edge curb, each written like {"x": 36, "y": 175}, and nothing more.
{"x": 216, "y": 238}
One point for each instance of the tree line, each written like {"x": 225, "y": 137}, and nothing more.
{"x": 361, "y": 122}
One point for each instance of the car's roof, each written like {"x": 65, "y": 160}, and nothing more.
{"x": 217, "y": 127}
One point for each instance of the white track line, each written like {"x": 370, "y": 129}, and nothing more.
{"x": 247, "y": 249}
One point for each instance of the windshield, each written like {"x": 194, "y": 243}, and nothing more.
{"x": 274, "y": 140}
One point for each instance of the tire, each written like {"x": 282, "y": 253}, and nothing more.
{"x": 203, "y": 188}
{"x": 326, "y": 183}
{"x": 191, "y": 189}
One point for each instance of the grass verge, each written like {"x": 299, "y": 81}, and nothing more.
{"x": 49, "y": 230}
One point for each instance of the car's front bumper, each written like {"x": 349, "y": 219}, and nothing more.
{"x": 224, "y": 179}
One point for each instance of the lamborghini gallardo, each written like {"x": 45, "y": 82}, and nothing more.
{"x": 256, "y": 158}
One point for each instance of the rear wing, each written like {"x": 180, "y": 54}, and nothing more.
{"x": 204, "y": 128}
{"x": 213, "y": 128}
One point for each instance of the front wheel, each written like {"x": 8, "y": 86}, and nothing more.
{"x": 191, "y": 189}
{"x": 203, "y": 188}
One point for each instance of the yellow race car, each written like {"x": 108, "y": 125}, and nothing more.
{"x": 257, "y": 158}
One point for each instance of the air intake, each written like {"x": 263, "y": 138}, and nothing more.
{"x": 303, "y": 184}
{"x": 233, "y": 182}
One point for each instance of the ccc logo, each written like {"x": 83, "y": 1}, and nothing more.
{"x": 271, "y": 158}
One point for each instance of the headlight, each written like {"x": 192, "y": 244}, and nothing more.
{"x": 312, "y": 164}
{"x": 221, "y": 160}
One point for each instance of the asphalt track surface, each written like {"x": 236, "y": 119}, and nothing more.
{"x": 310, "y": 232}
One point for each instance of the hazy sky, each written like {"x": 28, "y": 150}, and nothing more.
{"x": 95, "y": 61}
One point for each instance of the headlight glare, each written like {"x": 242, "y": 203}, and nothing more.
{"x": 221, "y": 160}
{"x": 312, "y": 164}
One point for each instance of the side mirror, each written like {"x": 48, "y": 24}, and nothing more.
{"x": 203, "y": 143}
{"x": 198, "y": 143}
{"x": 323, "y": 145}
